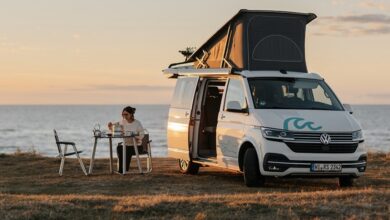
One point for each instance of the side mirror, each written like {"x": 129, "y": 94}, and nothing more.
{"x": 348, "y": 108}
{"x": 234, "y": 106}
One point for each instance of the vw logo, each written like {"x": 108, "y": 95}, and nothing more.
{"x": 325, "y": 139}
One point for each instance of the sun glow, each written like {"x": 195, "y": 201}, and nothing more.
{"x": 179, "y": 127}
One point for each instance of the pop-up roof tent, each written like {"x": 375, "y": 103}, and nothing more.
{"x": 257, "y": 40}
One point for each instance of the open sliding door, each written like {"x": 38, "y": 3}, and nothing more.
{"x": 180, "y": 112}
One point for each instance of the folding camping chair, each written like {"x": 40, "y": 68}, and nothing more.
{"x": 63, "y": 154}
{"x": 146, "y": 150}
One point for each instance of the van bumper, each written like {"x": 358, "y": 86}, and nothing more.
{"x": 279, "y": 165}
{"x": 278, "y": 159}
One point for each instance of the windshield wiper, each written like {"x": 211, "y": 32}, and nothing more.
{"x": 277, "y": 107}
{"x": 319, "y": 108}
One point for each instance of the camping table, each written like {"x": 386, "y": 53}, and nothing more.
{"x": 110, "y": 137}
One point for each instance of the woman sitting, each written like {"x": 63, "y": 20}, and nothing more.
{"x": 128, "y": 125}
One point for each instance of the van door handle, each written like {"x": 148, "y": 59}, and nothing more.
{"x": 223, "y": 116}
{"x": 186, "y": 114}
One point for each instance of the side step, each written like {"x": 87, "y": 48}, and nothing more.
{"x": 212, "y": 161}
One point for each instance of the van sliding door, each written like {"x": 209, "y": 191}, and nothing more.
{"x": 180, "y": 112}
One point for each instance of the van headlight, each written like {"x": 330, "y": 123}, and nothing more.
{"x": 357, "y": 135}
{"x": 277, "y": 134}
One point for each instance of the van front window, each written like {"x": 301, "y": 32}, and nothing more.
{"x": 292, "y": 93}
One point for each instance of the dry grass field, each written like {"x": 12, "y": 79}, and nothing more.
{"x": 30, "y": 188}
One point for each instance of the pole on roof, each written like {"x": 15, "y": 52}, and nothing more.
{"x": 227, "y": 45}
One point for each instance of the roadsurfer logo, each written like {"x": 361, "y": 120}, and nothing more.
{"x": 300, "y": 123}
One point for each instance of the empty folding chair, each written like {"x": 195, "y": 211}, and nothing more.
{"x": 63, "y": 153}
{"x": 146, "y": 150}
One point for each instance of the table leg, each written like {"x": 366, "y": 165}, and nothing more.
{"x": 110, "y": 140}
{"x": 137, "y": 154}
{"x": 93, "y": 156}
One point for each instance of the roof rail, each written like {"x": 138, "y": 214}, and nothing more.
{"x": 176, "y": 72}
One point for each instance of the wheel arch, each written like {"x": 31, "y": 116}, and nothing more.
{"x": 244, "y": 146}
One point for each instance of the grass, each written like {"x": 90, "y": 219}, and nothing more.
{"x": 30, "y": 188}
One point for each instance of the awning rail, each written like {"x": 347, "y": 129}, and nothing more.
{"x": 176, "y": 72}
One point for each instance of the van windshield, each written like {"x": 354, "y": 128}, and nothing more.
{"x": 292, "y": 93}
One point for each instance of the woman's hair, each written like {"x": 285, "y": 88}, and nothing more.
{"x": 129, "y": 109}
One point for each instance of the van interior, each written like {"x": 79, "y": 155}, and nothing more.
{"x": 211, "y": 102}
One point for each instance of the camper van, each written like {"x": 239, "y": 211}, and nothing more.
{"x": 246, "y": 102}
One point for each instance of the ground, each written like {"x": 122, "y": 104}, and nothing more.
{"x": 30, "y": 188}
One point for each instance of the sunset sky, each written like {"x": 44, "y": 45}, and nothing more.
{"x": 112, "y": 52}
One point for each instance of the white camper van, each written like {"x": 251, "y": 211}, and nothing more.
{"x": 247, "y": 103}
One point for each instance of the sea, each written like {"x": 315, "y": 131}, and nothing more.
{"x": 29, "y": 128}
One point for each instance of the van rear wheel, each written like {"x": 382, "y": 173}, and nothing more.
{"x": 188, "y": 167}
{"x": 252, "y": 175}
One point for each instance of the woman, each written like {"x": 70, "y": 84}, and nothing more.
{"x": 128, "y": 125}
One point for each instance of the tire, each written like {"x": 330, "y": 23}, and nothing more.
{"x": 346, "y": 181}
{"x": 188, "y": 167}
{"x": 252, "y": 175}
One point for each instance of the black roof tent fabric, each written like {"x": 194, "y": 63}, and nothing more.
{"x": 257, "y": 40}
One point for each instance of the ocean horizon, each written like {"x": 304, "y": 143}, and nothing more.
{"x": 29, "y": 128}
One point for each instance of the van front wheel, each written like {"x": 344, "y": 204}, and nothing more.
{"x": 345, "y": 181}
{"x": 188, "y": 167}
{"x": 252, "y": 175}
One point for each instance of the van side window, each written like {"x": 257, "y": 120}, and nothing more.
{"x": 184, "y": 93}
{"x": 235, "y": 92}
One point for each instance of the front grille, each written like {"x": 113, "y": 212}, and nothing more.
{"x": 320, "y": 148}
{"x": 314, "y": 137}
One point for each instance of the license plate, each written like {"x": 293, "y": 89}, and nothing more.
{"x": 325, "y": 167}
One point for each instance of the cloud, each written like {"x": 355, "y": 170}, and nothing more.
{"x": 342, "y": 30}
{"x": 377, "y": 30}
{"x": 353, "y": 25}
{"x": 366, "y": 18}
{"x": 379, "y": 95}
{"x": 369, "y": 4}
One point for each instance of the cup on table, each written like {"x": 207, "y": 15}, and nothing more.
{"x": 113, "y": 129}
